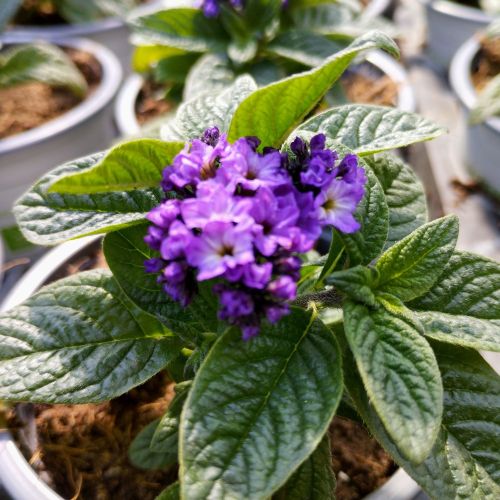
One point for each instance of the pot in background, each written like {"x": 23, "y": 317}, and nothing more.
{"x": 84, "y": 129}
{"x": 482, "y": 148}
{"x": 450, "y": 24}
{"x": 17, "y": 476}
{"x": 128, "y": 126}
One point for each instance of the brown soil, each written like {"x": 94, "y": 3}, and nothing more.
{"x": 151, "y": 102}
{"x": 362, "y": 89}
{"x": 26, "y": 106}
{"x": 81, "y": 450}
{"x": 487, "y": 62}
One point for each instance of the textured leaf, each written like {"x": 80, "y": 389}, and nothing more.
{"x": 304, "y": 47}
{"x": 207, "y": 110}
{"x": 297, "y": 95}
{"x": 183, "y": 28}
{"x": 488, "y": 102}
{"x": 79, "y": 340}
{"x": 373, "y": 214}
{"x": 287, "y": 378}
{"x": 128, "y": 166}
{"x": 172, "y": 492}
{"x": 368, "y": 129}
{"x": 404, "y": 194}
{"x": 125, "y": 253}
{"x": 400, "y": 374}
{"x": 356, "y": 282}
{"x": 142, "y": 456}
{"x": 463, "y": 306}
{"x": 211, "y": 73}
{"x": 43, "y": 63}
{"x": 410, "y": 267}
{"x": 314, "y": 479}
{"x": 49, "y": 218}
{"x": 464, "y": 462}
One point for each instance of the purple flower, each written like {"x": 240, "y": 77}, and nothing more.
{"x": 243, "y": 217}
{"x": 211, "y": 8}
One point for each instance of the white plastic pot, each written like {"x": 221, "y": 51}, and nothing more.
{"x": 17, "y": 476}
{"x": 449, "y": 25}
{"x": 111, "y": 32}
{"x": 482, "y": 147}
{"x": 84, "y": 129}
{"x": 128, "y": 126}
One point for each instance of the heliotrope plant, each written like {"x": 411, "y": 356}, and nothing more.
{"x": 194, "y": 49}
{"x": 266, "y": 339}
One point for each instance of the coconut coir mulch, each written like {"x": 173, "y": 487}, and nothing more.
{"x": 28, "y": 105}
{"x": 487, "y": 63}
{"x": 82, "y": 450}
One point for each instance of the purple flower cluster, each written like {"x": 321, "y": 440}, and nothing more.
{"x": 211, "y": 8}
{"x": 241, "y": 218}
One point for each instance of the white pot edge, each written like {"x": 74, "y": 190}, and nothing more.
{"x": 101, "y": 97}
{"x": 456, "y": 10}
{"x": 128, "y": 126}
{"x": 461, "y": 81}
{"x": 19, "y": 478}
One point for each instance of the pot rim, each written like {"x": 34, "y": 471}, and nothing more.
{"x": 461, "y": 11}
{"x": 128, "y": 126}
{"x": 461, "y": 80}
{"x": 13, "y": 464}
{"x": 89, "y": 107}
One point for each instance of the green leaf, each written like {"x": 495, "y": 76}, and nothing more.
{"x": 9, "y": 8}
{"x": 172, "y": 492}
{"x": 208, "y": 110}
{"x": 166, "y": 435}
{"x": 128, "y": 166}
{"x": 147, "y": 54}
{"x": 410, "y": 267}
{"x": 400, "y": 374}
{"x": 464, "y": 461}
{"x": 324, "y": 17}
{"x": 211, "y": 73}
{"x": 76, "y": 11}
{"x": 125, "y": 253}
{"x": 43, "y": 63}
{"x": 357, "y": 283}
{"x": 488, "y": 102}
{"x": 373, "y": 214}
{"x": 174, "y": 69}
{"x": 142, "y": 456}
{"x": 258, "y": 409}
{"x": 368, "y": 129}
{"x": 463, "y": 306}
{"x": 314, "y": 479}
{"x": 404, "y": 194}
{"x": 183, "y": 28}
{"x": 49, "y": 218}
{"x": 304, "y": 47}
{"x": 297, "y": 95}
{"x": 242, "y": 51}
{"x": 79, "y": 340}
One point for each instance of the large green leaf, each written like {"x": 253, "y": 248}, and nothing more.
{"x": 373, "y": 214}
{"x": 143, "y": 456}
{"x": 357, "y": 283}
{"x": 207, "y": 110}
{"x": 464, "y": 461}
{"x": 258, "y": 409}
{"x": 147, "y": 53}
{"x": 297, "y": 95}
{"x": 125, "y": 253}
{"x": 211, "y": 73}
{"x": 314, "y": 479}
{"x": 400, "y": 374}
{"x": 183, "y": 28}
{"x": 404, "y": 194}
{"x": 463, "y": 306}
{"x": 368, "y": 129}
{"x": 304, "y": 47}
{"x": 126, "y": 167}
{"x": 79, "y": 340}
{"x": 43, "y": 63}
{"x": 174, "y": 69}
{"x": 410, "y": 267}
{"x": 49, "y": 218}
